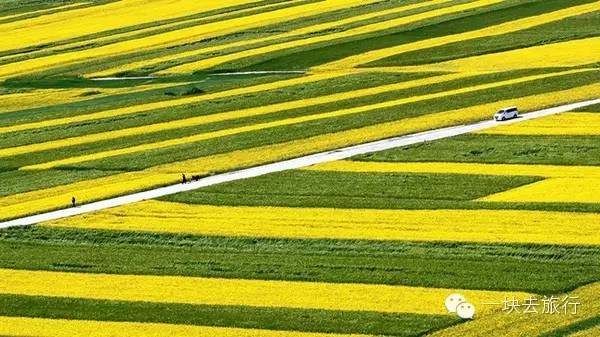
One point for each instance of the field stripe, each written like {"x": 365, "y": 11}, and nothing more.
{"x": 380, "y": 26}
{"x": 54, "y": 198}
{"x": 219, "y": 291}
{"x": 554, "y": 55}
{"x": 254, "y": 127}
{"x": 176, "y": 37}
{"x": 548, "y": 171}
{"x": 67, "y": 328}
{"x": 501, "y": 226}
{"x": 582, "y": 190}
{"x": 26, "y": 15}
{"x": 248, "y": 42}
{"x": 508, "y": 27}
{"x": 565, "y": 124}
{"x": 170, "y": 103}
{"x": 519, "y": 324}
{"x": 592, "y": 332}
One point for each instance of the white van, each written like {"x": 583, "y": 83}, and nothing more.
{"x": 506, "y": 113}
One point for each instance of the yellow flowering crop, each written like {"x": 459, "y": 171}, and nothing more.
{"x": 584, "y": 190}
{"x": 22, "y": 204}
{"x": 46, "y": 97}
{"x": 241, "y": 129}
{"x": 508, "y": 27}
{"x": 42, "y": 11}
{"x": 41, "y": 327}
{"x": 89, "y": 20}
{"x": 383, "y": 25}
{"x": 169, "y": 38}
{"x": 220, "y": 291}
{"x": 171, "y": 103}
{"x": 247, "y": 42}
{"x": 531, "y": 324}
{"x": 554, "y": 171}
{"x": 576, "y": 123}
{"x": 361, "y": 224}
{"x": 218, "y": 117}
{"x": 545, "y": 56}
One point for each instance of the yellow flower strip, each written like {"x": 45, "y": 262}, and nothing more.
{"x": 549, "y": 55}
{"x": 84, "y": 21}
{"x": 246, "y": 42}
{"x": 254, "y": 127}
{"x": 171, "y": 103}
{"x": 46, "y": 97}
{"x": 532, "y": 324}
{"x": 218, "y": 117}
{"x": 41, "y": 327}
{"x": 565, "y": 124}
{"x": 53, "y": 198}
{"x": 497, "y": 226}
{"x": 583, "y": 190}
{"x": 379, "y": 26}
{"x": 219, "y": 291}
{"x": 504, "y": 28}
{"x": 85, "y": 191}
{"x": 549, "y": 171}
{"x": 175, "y": 37}
{"x": 81, "y": 44}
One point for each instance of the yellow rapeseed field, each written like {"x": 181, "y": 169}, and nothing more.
{"x": 174, "y": 37}
{"x": 501, "y": 226}
{"x": 86, "y": 191}
{"x": 242, "y": 129}
{"x": 565, "y": 124}
{"x": 219, "y": 291}
{"x": 270, "y": 153}
{"x": 508, "y": 27}
{"x": 112, "y": 15}
{"x": 544, "y": 56}
{"x": 553, "y": 171}
{"x": 46, "y": 97}
{"x": 42, "y": 11}
{"x": 379, "y": 26}
{"x": 218, "y": 117}
{"x": 583, "y": 190}
{"x": 531, "y": 324}
{"x": 171, "y": 103}
{"x": 247, "y": 42}
{"x": 40, "y": 327}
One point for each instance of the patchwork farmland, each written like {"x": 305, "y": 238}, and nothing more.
{"x": 105, "y": 98}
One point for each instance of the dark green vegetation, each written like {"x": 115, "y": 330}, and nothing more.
{"x": 312, "y": 55}
{"x": 354, "y": 190}
{"x": 286, "y": 319}
{"x": 22, "y": 181}
{"x": 534, "y": 268}
{"x": 511, "y": 149}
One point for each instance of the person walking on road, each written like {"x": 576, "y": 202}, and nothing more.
{"x": 73, "y": 202}
{"x": 183, "y": 178}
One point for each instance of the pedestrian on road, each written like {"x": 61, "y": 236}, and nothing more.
{"x": 183, "y": 178}
{"x": 73, "y": 202}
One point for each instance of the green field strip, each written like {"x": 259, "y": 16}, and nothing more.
{"x": 244, "y": 140}
{"x": 14, "y": 182}
{"x": 572, "y": 28}
{"x": 313, "y": 55}
{"x": 532, "y": 268}
{"x": 146, "y": 29}
{"x": 13, "y": 10}
{"x": 207, "y": 85}
{"x": 208, "y": 107}
{"x": 514, "y": 149}
{"x": 574, "y": 328}
{"x": 283, "y": 27}
{"x": 286, "y": 319}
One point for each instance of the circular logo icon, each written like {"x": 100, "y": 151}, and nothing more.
{"x": 453, "y": 301}
{"x": 465, "y": 310}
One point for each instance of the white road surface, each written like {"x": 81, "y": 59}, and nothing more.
{"x": 296, "y": 163}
